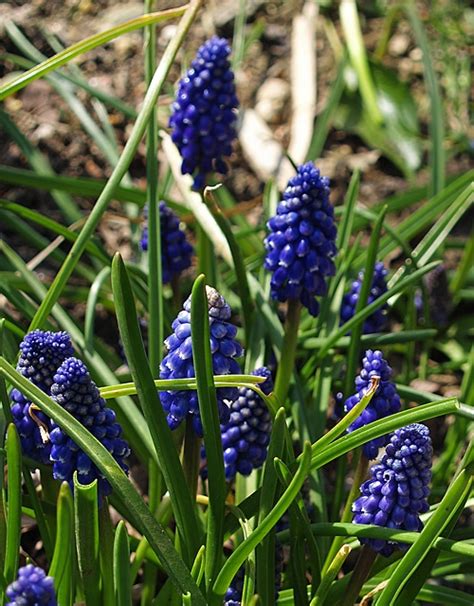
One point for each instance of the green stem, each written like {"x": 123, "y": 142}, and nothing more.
{"x": 191, "y": 458}
{"x": 288, "y": 351}
{"x": 155, "y": 297}
{"x": 361, "y": 572}
{"x": 106, "y": 534}
{"x": 331, "y": 573}
{"x": 359, "y": 475}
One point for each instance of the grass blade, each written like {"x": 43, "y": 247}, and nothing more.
{"x": 436, "y": 126}
{"x": 12, "y": 548}
{"x": 86, "y": 527}
{"x": 83, "y": 46}
{"x": 122, "y": 581}
{"x": 203, "y": 367}
{"x": 61, "y": 564}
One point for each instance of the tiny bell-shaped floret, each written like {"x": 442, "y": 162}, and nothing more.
{"x": 301, "y": 242}
{"x": 204, "y": 114}
{"x": 41, "y": 353}
{"x": 385, "y": 401}
{"x": 31, "y": 588}
{"x": 178, "y": 363}
{"x": 176, "y": 251}
{"x": 398, "y": 489}
{"x": 246, "y": 436}
{"x": 75, "y": 391}
{"x": 377, "y": 321}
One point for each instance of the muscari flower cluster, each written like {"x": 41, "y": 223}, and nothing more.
{"x": 385, "y": 401}
{"x": 301, "y": 243}
{"x": 377, "y": 321}
{"x": 31, "y": 588}
{"x": 46, "y": 360}
{"x": 75, "y": 391}
{"x": 41, "y": 353}
{"x": 398, "y": 490}
{"x": 204, "y": 113}
{"x": 246, "y": 436}
{"x": 176, "y": 251}
{"x": 178, "y": 363}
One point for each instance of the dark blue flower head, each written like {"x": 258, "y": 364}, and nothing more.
{"x": 301, "y": 243}
{"x": 176, "y": 251}
{"x": 41, "y": 353}
{"x": 385, "y": 401}
{"x": 246, "y": 435}
{"x": 233, "y": 595}
{"x": 204, "y": 112}
{"x": 75, "y": 391}
{"x": 398, "y": 490}
{"x": 32, "y": 588}
{"x": 178, "y": 363}
{"x": 377, "y": 321}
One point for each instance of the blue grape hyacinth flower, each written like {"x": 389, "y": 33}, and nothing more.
{"x": 246, "y": 435}
{"x": 397, "y": 492}
{"x": 204, "y": 117}
{"x": 385, "y": 401}
{"x": 176, "y": 251}
{"x": 301, "y": 242}
{"x": 31, "y": 588}
{"x": 41, "y": 353}
{"x": 75, "y": 391}
{"x": 377, "y": 321}
{"x": 178, "y": 363}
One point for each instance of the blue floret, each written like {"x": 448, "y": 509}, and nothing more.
{"x": 397, "y": 493}
{"x": 301, "y": 243}
{"x": 31, "y": 588}
{"x": 204, "y": 113}
{"x": 385, "y": 401}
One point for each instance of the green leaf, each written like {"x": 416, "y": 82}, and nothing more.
{"x": 86, "y": 528}
{"x": 202, "y": 360}
{"x": 83, "y": 46}
{"x": 241, "y": 553}
{"x": 79, "y": 186}
{"x": 265, "y": 550}
{"x": 63, "y": 556}
{"x": 183, "y": 505}
{"x": 12, "y": 548}
{"x": 132, "y": 504}
{"x": 122, "y": 581}
{"x": 382, "y": 427}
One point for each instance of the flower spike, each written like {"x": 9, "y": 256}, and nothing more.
{"x": 75, "y": 391}
{"x": 176, "y": 251}
{"x": 397, "y": 493}
{"x": 204, "y": 112}
{"x": 178, "y": 363}
{"x": 376, "y": 322}
{"x": 385, "y": 401}
{"x": 301, "y": 243}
